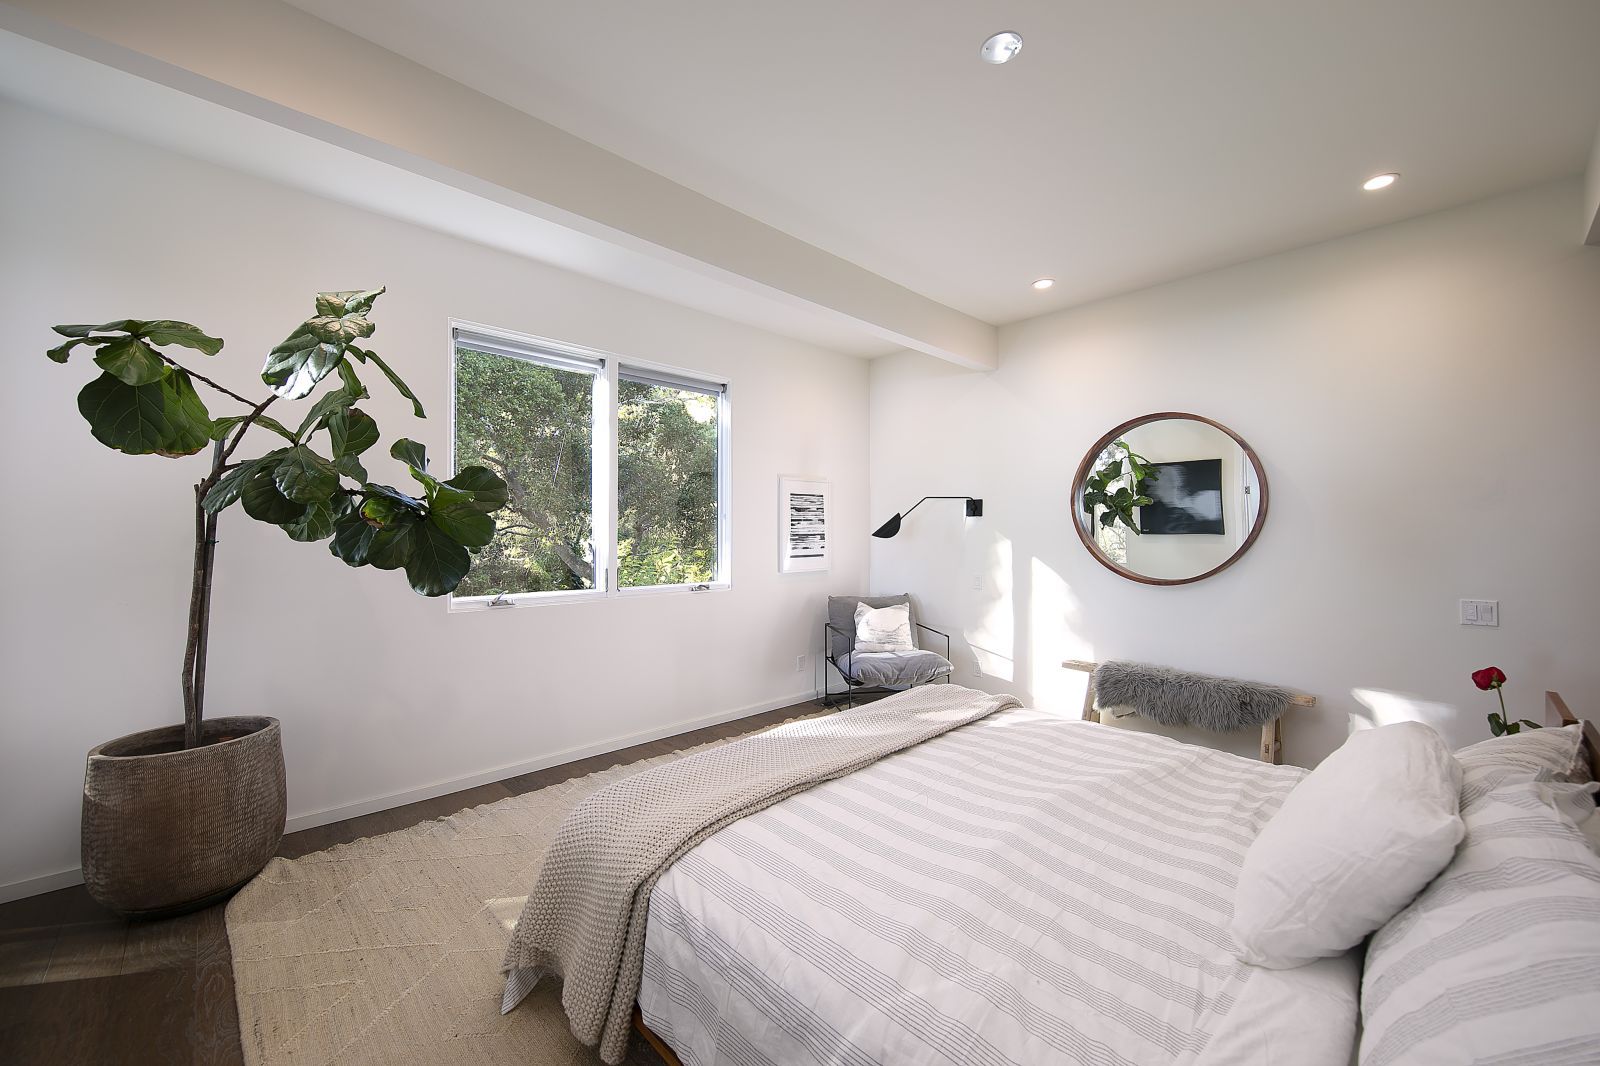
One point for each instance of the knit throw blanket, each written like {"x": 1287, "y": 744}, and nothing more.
{"x": 585, "y": 921}
{"x": 1173, "y": 697}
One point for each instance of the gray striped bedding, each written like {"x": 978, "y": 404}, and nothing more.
{"x": 1497, "y": 962}
{"x": 1026, "y": 889}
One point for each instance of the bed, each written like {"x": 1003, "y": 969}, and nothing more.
{"x": 1024, "y": 889}
{"x": 947, "y": 877}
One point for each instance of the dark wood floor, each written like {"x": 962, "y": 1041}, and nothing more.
{"x": 80, "y": 986}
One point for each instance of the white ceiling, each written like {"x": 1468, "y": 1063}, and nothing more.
{"x": 1130, "y": 143}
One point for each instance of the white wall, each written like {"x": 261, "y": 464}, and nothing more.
{"x": 381, "y": 692}
{"x": 1423, "y": 397}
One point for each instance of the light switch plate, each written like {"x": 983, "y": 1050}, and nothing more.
{"x": 1480, "y": 612}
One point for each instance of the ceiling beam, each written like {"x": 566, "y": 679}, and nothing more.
{"x": 466, "y": 154}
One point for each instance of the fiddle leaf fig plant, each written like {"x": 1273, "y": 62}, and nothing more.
{"x": 313, "y": 484}
{"x": 1102, "y": 488}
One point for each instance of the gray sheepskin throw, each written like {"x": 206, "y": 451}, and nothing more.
{"x": 1173, "y": 697}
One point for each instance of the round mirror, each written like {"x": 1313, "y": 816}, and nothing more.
{"x": 1169, "y": 498}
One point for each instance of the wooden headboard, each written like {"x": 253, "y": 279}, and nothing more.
{"x": 1555, "y": 705}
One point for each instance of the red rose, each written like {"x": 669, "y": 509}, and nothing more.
{"x": 1489, "y": 677}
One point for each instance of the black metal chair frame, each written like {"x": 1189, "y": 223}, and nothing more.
{"x": 854, "y": 688}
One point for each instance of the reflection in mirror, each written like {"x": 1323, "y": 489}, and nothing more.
{"x": 1169, "y": 498}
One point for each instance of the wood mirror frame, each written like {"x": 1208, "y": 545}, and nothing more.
{"x": 1134, "y": 423}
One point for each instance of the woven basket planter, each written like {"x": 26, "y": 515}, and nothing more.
{"x": 167, "y": 830}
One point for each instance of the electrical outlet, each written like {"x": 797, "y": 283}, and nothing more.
{"x": 799, "y": 664}
{"x": 977, "y": 582}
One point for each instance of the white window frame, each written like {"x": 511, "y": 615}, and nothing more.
{"x": 723, "y": 578}
{"x": 604, "y": 482}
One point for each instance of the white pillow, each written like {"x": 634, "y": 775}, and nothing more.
{"x": 1358, "y": 837}
{"x": 1499, "y": 959}
{"x": 883, "y": 628}
{"x": 1524, "y": 756}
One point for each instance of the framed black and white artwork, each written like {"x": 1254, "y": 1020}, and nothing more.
{"x": 1187, "y": 498}
{"x": 803, "y": 525}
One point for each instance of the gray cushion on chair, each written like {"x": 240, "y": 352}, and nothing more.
{"x": 842, "y": 616}
{"x": 890, "y": 669}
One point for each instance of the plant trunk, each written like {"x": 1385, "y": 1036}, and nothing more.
{"x": 194, "y": 652}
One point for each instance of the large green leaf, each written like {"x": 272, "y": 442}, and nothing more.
{"x": 304, "y": 476}
{"x": 352, "y": 382}
{"x": 410, "y": 453}
{"x": 415, "y": 456}
{"x": 319, "y": 521}
{"x": 436, "y": 563}
{"x": 385, "y": 506}
{"x": 352, "y": 537}
{"x": 391, "y": 546}
{"x": 318, "y": 345}
{"x": 394, "y": 379}
{"x": 352, "y": 302}
{"x": 230, "y": 485}
{"x": 121, "y": 325}
{"x": 294, "y": 367}
{"x": 389, "y": 492}
{"x": 131, "y": 360}
{"x": 328, "y": 405}
{"x": 264, "y": 502}
{"x": 458, "y": 516}
{"x": 351, "y": 467}
{"x": 486, "y": 488}
{"x": 165, "y": 417}
{"x": 353, "y": 432}
{"x": 61, "y": 351}
{"x": 158, "y": 332}
{"x": 225, "y": 493}
{"x": 223, "y": 426}
{"x": 166, "y": 331}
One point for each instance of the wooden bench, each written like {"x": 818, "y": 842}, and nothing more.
{"x": 1271, "y": 749}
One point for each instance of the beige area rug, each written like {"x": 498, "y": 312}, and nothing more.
{"x": 387, "y": 950}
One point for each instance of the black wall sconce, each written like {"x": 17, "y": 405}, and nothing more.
{"x": 892, "y": 526}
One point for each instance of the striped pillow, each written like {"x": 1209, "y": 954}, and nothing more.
{"x": 1551, "y": 753}
{"x": 1498, "y": 960}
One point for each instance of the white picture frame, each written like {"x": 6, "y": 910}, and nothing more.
{"x": 805, "y": 525}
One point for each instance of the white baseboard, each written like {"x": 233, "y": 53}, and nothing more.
{"x": 499, "y": 773}
{"x": 33, "y": 886}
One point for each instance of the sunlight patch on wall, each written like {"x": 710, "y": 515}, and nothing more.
{"x": 1053, "y": 623}
{"x": 992, "y": 663}
{"x": 992, "y": 636}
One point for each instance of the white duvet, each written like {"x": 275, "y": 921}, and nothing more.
{"x": 1026, "y": 889}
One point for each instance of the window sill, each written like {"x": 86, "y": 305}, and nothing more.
{"x": 481, "y": 604}
{"x": 699, "y": 589}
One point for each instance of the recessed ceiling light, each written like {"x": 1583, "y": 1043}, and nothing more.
{"x": 1379, "y": 181}
{"x": 1001, "y": 48}
{"x": 1044, "y": 283}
